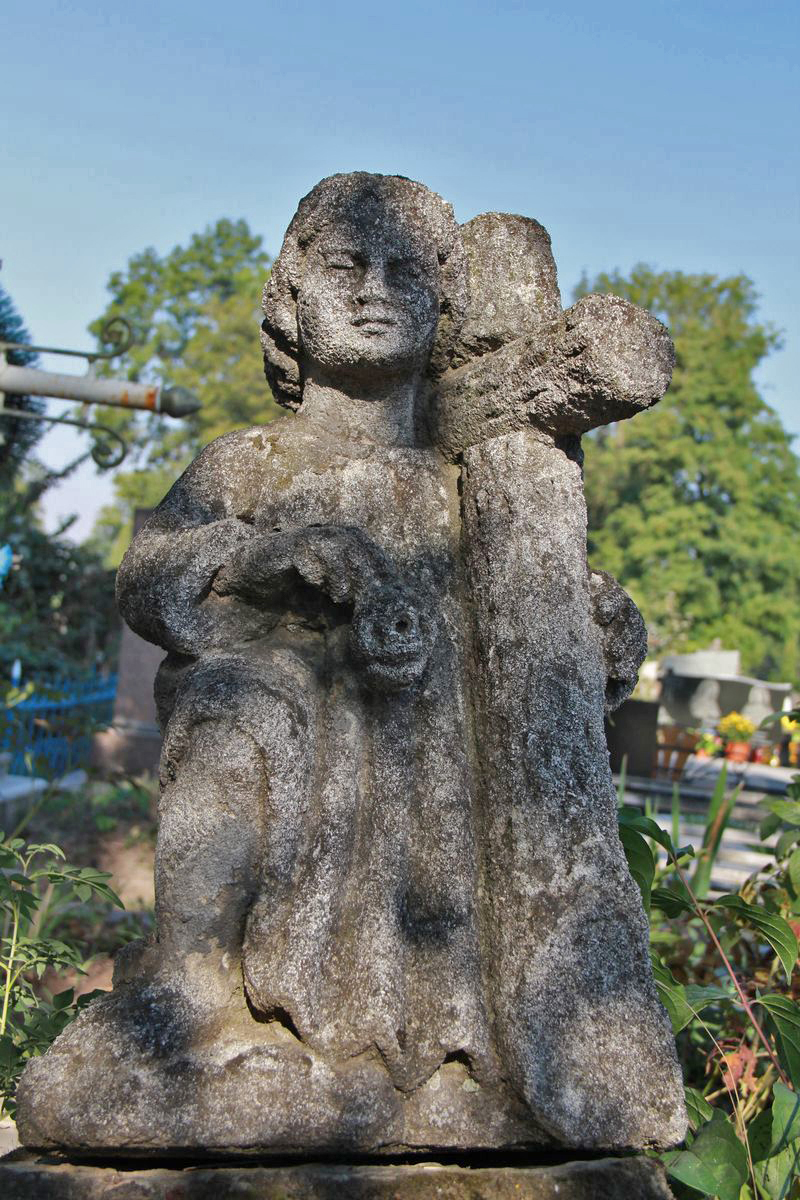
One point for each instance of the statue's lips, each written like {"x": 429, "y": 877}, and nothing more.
{"x": 373, "y": 324}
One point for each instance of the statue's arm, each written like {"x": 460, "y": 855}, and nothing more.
{"x": 393, "y": 623}
{"x": 339, "y": 560}
{"x": 623, "y": 634}
{"x": 164, "y": 583}
{"x": 198, "y": 575}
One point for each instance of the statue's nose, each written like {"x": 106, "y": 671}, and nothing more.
{"x": 373, "y": 285}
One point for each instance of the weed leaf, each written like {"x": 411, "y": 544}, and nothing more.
{"x": 785, "y": 1016}
{"x": 641, "y": 863}
{"x": 715, "y": 1163}
{"x": 774, "y": 928}
{"x": 697, "y": 1107}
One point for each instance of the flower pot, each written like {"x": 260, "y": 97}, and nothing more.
{"x": 738, "y": 752}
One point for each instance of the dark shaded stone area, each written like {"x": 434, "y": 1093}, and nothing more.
{"x": 605, "y": 1179}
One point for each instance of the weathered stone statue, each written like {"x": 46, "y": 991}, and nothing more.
{"x": 393, "y": 912}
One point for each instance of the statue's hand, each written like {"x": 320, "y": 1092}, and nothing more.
{"x": 392, "y": 635}
{"x": 393, "y": 628}
{"x": 339, "y": 560}
{"x": 623, "y": 633}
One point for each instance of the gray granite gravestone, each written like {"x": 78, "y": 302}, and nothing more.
{"x": 393, "y": 911}
{"x": 132, "y": 743}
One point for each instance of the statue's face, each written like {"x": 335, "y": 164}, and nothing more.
{"x": 369, "y": 298}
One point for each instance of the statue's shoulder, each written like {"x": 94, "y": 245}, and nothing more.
{"x": 238, "y": 454}
{"x": 248, "y": 444}
{"x": 226, "y": 476}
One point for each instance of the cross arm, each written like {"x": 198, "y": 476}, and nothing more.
{"x": 606, "y": 361}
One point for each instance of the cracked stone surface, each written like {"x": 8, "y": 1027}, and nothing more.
{"x": 393, "y": 912}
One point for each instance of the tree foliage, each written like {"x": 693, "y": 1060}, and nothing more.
{"x": 44, "y": 618}
{"x": 195, "y": 314}
{"x": 57, "y": 612}
{"x": 17, "y": 438}
{"x": 695, "y": 506}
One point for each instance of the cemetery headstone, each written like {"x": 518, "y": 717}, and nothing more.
{"x": 132, "y": 743}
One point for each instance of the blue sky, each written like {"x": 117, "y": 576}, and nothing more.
{"x": 664, "y": 133}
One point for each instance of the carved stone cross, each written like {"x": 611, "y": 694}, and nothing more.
{"x": 393, "y": 911}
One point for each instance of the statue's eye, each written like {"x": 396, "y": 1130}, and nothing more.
{"x": 406, "y": 268}
{"x": 341, "y": 261}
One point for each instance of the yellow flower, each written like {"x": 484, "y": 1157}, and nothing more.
{"x": 735, "y": 727}
{"x": 788, "y": 725}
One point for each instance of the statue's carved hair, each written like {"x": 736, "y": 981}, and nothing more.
{"x": 333, "y": 199}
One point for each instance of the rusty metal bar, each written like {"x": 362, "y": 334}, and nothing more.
{"x": 29, "y": 381}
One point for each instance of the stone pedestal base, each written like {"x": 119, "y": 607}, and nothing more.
{"x": 23, "y": 1176}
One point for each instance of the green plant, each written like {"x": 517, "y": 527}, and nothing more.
{"x": 126, "y": 800}
{"x": 37, "y": 889}
{"x": 726, "y": 970}
{"x": 193, "y": 311}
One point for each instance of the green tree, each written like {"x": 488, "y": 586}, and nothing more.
{"x": 695, "y": 506}
{"x": 195, "y": 315}
{"x": 17, "y": 438}
{"x": 44, "y": 618}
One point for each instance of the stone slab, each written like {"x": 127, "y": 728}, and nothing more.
{"x": 133, "y": 742}
{"x": 23, "y": 1177}
{"x": 9, "y": 1139}
{"x": 19, "y": 792}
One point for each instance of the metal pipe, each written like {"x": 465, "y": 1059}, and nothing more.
{"x": 28, "y": 381}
